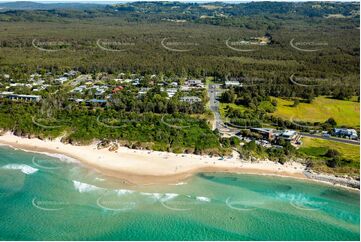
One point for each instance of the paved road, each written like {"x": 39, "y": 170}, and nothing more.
{"x": 214, "y": 91}
{"x": 347, "y": 141}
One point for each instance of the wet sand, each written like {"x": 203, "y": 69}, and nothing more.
{"x": 151, "y": 167}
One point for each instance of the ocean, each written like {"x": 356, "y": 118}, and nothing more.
{"x": 54, "y": 198}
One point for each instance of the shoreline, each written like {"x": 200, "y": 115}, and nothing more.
{"x": 145, "y": 167}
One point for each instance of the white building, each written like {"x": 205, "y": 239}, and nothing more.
{"x": 190, "y": 99}
{"x": 232, "y": 84}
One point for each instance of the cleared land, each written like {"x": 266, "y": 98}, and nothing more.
{"x": 224, "y": 106}
{"x": 344, "y": 112}
{"x": 317, "y": 148}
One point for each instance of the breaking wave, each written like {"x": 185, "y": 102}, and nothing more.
{"x": 203, "y": 199}
{"x": 24, "y": 168}
{"x": 84, "y": 187}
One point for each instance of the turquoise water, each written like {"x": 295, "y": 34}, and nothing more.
{"x": 44, "y": 198}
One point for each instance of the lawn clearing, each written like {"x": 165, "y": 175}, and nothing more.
{"x": 317, "y": 148}
{"x": 344, "y": 112}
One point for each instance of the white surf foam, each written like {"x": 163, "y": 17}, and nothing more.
{"x": 24, "y": 168}
{"x": 84, "y": 187}
{"x": 203, "y": 199}
{"x": 61, "y": 157}
{"x": 179, "y": 184}
{"x": 168, "y": 196}
{"x": 155, "y": 195}
{"x": 123, "y": 191}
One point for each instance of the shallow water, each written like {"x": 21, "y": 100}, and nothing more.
{"x": 44, "y": 198}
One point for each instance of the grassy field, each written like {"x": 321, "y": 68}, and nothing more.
{"x": 344, "y": 112}
{"x": 223, "y": 107}
{"x": 317, "y": 148}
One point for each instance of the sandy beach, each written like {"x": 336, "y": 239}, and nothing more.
{"x": 150, "y": 167}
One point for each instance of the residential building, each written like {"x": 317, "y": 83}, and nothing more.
{"x": 342, "y": 132}
{"x": 194, "y": 83}
{"x": 190, "y": 99}
{"x": 61, "y": 80}
{"x": 266, "y": 133}
{"x": 229, "y": 84}
{"x": 143, "y": 91}
{"x": 20, "y": 97}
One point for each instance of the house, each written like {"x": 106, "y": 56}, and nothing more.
{"x": 100, "y": 102}
{"x": 125, "y": 80}
{"x": 100, "y": 90}
{"x": 190, "y": 99}
{"x": 174, "y": 84}
{"x": 117, "y": 89}
{"x": 4, "y": 94}
{"x": 136, "y": 82}
{"x": 266, "y": 133}
{"x": 193, "y": 82}
{"x": 20, "y": 97}
{"x": 61, "y": 80}
{"x": 229, "y": 84}
{"x": 143, "y": 91}
{"x": 71, "y": 73}
{"x": 289, "y": 135}
{"x": 20, "y": 85}
{"x": 79, "y": 89}
{"x": 170, "y": 91}
{"x": 349, "y": 133}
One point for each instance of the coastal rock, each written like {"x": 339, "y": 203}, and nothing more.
{"x": 348, "y": 182}
{"x": 113, "y": 147}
